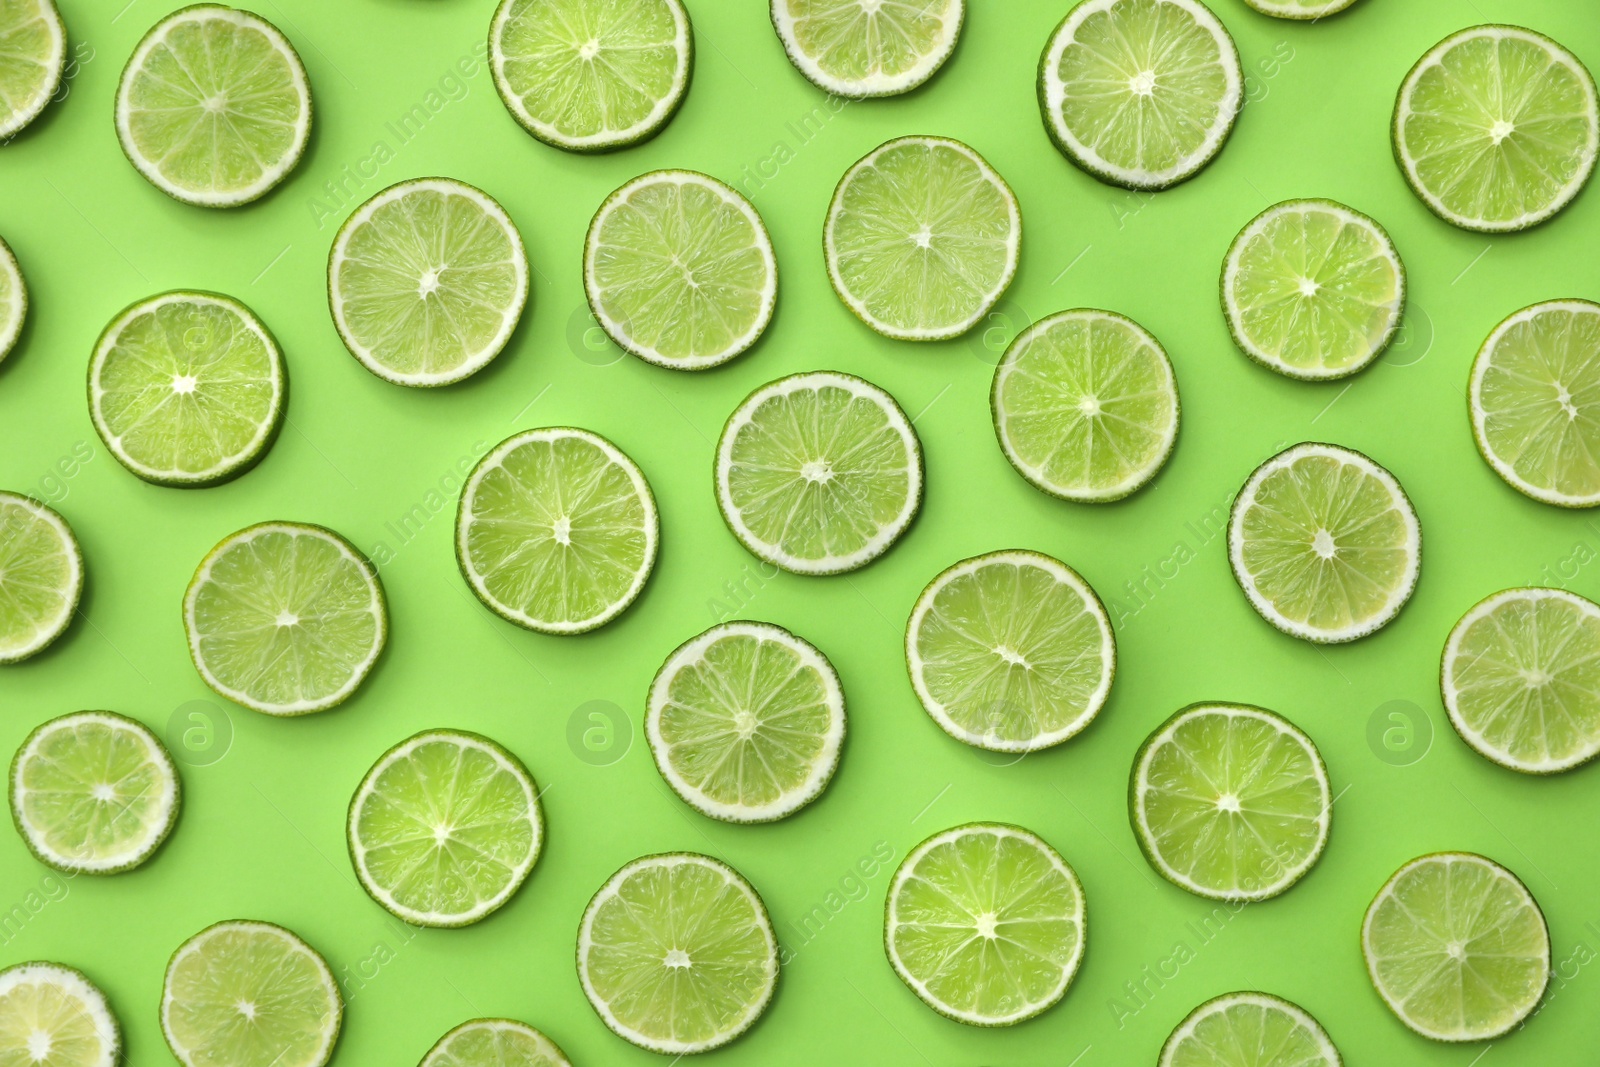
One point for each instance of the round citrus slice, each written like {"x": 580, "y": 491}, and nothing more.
{"x": 33, "y": 58}
{"x": 854, "y": 49}
{"x": 1140, "y": 93}
{"x": 1324, "y": 543}
{"x": 557, "y": 530}
{"x": 1457, "y": 947}
{"x": 1011, "y": 651}
{"x": 676, "y": 953}
{"x": 591, "y": 75}
{"x": 922, "y": 238}
{"x": 1230, "y": 802}
{"x": 214, "y": 107}
{"x": 1085, "y": 405}
{"x": 679, "y": 270}
{"x": 985, "y": 923}
{"x": 426, "y": 281}
{"x": 52, "y": 1016}
{"x": 13, "y": 300}
{"x": 495, "y": 1043}
{"x": 41, "y": 576}
{"x": 1302, "y": 10}
{"x": 285, "y": 618}
{"x": 1249, "y": 1030}
{"x": 1497, "y": 128}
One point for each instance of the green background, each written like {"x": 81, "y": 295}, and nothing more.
{"x": 262, "y": 836}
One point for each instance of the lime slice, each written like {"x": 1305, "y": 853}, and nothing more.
{"x": 444, "y": 828}
{"x": 1305, "y": 10}
{"x": 1249, "y": 1030}
{"x": 676, "y": 953}
{"x": 495, "y": 1043}
{"x": 922, "y": 238}
{"x": 1011, "y": 651}
{"x": 187, "y": 389}
{"x": 1230, "y": 802}
{"x": 33, "y": 57}
{"x": 13, "y": 300}
{"x": 679, "y": 270}
{"x": 1535, "y": 402}
{"x": 1496, "y": 128}
{"x": 426, "y": 281}
{"x": 985, "y": 922}
{"x": 819, "y": 473}
{"x": 214, "y": 107}
{"x": 1324, "y": 543}
{"x": 557, "y": 530}
{"x": 1457, "y": 947}
{"x": 1312, "y": 289}
{"x": 93, "y": 793}
{"x": 854, "y": 49}
{"x": 52, "y": 1016}
{"x": 285, "y": 618}
{"x": 249, "y": 994}
{"x": 1140, "y": 93}
{"x": 746, "y": 721}
{"x": 591, "y": 75}
{"x": 1085, "y": 405}
{"x": 41, "y": 576}
{"x": 1521, "y": 679}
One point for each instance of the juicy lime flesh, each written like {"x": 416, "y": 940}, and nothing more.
{"x": 1011, "y": 652}
{"x": 1326, "y": 543}
{"x": 1088, "y": 404}
{"x": 1250, "y": 1033}
{"x": 586, "y": 69}
{"x": 1459, "y": 947}
{"x": 446, "y": 829}
{"x": 428, "y": 281}
{"x": 187, "y": 387}
{"x": 216, "y": 106}
{"x": 30, "y": 1010}
{"x": 250, "y": 998}
{"x": 988, "y": 924}
{"x": 679, "y": 954}
{"x": 1526, "y": 680}
{"x": 38, "y": 578}
{"x": 855, "y": 42}
{"x": 1315, "y": 290}
{"x": 285, "y": 617}
{"x": 13, "y": 302}
{"x": 1498, "y": 129}
{"x": 94, "y": 792}
{"x": 1540, "y": 395}
{"x": 820, "y": 472}
{"x": 1145, "y": 85}
{"x": 558, "y": 530}
{"x": 682, "y": 271}
{"x": 923, "y": 237}
{"x": 491, "y": 1045}
{"x": 1232, "y": 803}
{"x": 746, "y": 723}
{"x": 29, "y": 57}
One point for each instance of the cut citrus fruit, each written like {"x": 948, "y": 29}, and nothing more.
{"x": 676, "y": 953}
{"x": 1535, "y": 402}
{"x": 1140, "y": 93}
{"x": 495, "y": 1043}
{"x": 557, "y": 530}
{"x": 1497, "y": 128}
{"x": 1325, "y": 543}
{"x": 591, "y": 76}
{"x": 187, "y": 388}
{"x": 285, "y": 618}
{"x": 1230, "y": 802}
{"x": 249, "y": 994}
{"x": 52, "y": 1016}
{"x": 41, "y": 576}
{"x": 1457, "y": 947}
{"x": 13, "y": 300}
{"x": 746, "y": 722}
{"x": 985, "y": 923}
{"x": 93, "y": 793}
{"x": 855, "y": 49}
{"x": 1249, "y": 1030}
{"x": 444, "y": 828}
{"x": 426, "y": 281}
{"x": 1011, "y": 651}
{"x": 214, "y": 107}
{"x": 679, "y": 270}
{"x": 922, "y": 238}
{"x": 1313, "y": 290}
{"x": 1085, "y": 405}
{"x": 33, "y": 58}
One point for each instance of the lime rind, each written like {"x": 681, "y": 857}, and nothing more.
{"x": 1299, "y": 10}
{"x": 511, "y": 1043}
{"x": 52, "y": 67}
{"x": 13, "y": 300}
{"x": 948, "y": 14}
{"x": 48, "y": 629}
{"x": 1304, "y": 1031}
{"x": 69, "y": 984}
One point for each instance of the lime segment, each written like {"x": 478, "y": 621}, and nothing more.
{"x": 41, "y": 576}
{"x": 33, "y": 57}
{"x": 52, "y": 1016}
{"x": 855, "y": 49}
{"x": 13, "y": 300}
{"x": 495, "y": 1043}
{"x": 1249, "y": 1030}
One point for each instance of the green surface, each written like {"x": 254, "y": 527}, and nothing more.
{"x": 380, "y": 464}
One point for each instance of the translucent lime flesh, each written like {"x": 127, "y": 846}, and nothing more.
{"x": 46, "y": 1007}
{"x": 495, "y": 1043}
{"x": 187, "y": 388}
{"x": 30, "y": 60}
{"x": 13, "y": 300}
{"x": 854, "y": 43}
{"x": 1539, "y": 394}
{"x": 1250, "y": 1030}
{"x": 39, "y": 579}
